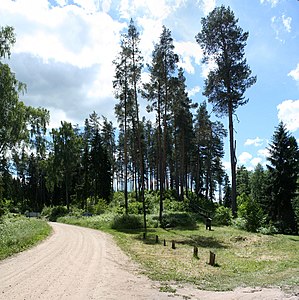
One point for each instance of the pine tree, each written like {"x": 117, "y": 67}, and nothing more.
{"x": 183, "y": 133}
{"x": 209, "y": 151}
{"x": 158, "y": 93}
{"x": 223, "y": 41}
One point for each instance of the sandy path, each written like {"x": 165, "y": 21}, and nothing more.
{"x": 81, "y": 263}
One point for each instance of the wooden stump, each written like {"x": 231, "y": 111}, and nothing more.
{"x": 157, "y": 239}
{"x": 173, "y": 245}
{"x": 195, "y": 252}
{"x": 212, "y": 258}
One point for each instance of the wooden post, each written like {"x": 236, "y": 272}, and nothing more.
{"x": 195, "y": 252}
{"x": 157, "y": 239}
{"x": 144, "y": 235}
{"x": 164, "y": 242}
{"x": 208, "y": 223}
{"x": 212, "y": 258}
{"x": 173, "y": 244}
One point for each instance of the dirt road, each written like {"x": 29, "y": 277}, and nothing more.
{"x": 81, "y": 263}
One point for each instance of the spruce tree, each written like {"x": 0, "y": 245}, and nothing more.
{"x": 283, "y": 175}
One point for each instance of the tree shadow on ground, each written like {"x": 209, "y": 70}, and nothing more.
{"x": 203, "y": 241}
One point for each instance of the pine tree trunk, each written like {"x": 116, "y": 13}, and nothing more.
{"x": 233, "y": 159}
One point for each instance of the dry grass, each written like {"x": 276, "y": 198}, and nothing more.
{"x": 242, "y": 258}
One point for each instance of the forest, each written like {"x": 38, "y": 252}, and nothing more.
{"x": 146, "y": 166}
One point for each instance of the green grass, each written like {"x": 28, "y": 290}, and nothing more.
{"x": 20, "y": 233}
{"x": 242, "y": 258}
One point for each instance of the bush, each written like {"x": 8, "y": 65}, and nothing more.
{"x": 100, "y": 207}
{"x": 268, "y": 229}
{"x": 174, "y": 206}
{"x": 135, "y": 208}
{"x": 53, "y": 213}
{"x": 223, "y": 215}
{"x": 127, "y": 222}
{"x": 250, "y": 211}
{"x": 184, "y": 220}
{"x": 239, "y": 223}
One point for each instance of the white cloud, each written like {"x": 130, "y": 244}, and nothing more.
{"x": 207, "y": 5}
{"x": 281, "y": 26}
{"x": 255, "y": 161}
{"x": 272, "y": 2}
{"x": 226, "y": 165}
{"x": 255, "y": 142}
{"x": 154, "y": 9}
{"x": 194, "y": 91}
{"x": 150, "y": 33}
{"x": 264, "y": 153}
{"x": 287, "y": 23}
{"x": 288, "y": 113}
{"x": 56, "y": 116}
{"x": 64, "y": 53}
{"x": 206, "y": 68}
{"x": 244, "y": 157}
{"x": 190, "y": 53}
{"x": 295, "y": 73}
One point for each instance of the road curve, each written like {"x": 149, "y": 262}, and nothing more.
{"x": 74, "y": 263}
{"x": 81, "y": 263}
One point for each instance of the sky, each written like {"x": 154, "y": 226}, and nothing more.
{"x": 65, "y": 48}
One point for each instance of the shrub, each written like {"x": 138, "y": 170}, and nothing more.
{"x": 174, "y": 206}
{"x": 239, "y": 223}
{"x": 184, "y": 220}
{"x": 100, "y": 207}
{"x": 250, "y": 211}
{"x": 53, "y": 213}
{"x": 223, "y": 215}
{"x": 127, "y": 222}
{"x": 268, "y": 229}
{"x": 135, "y": 208}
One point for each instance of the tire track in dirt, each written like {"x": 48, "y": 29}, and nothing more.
{"x": 74, "y": 263}
{"x": 77, "y": 263}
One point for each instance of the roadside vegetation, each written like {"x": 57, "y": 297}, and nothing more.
{"x": 18, "y": 233}
{"x": 242, "y": 258}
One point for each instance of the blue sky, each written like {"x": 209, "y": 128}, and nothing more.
{"x": 65, "y": 48}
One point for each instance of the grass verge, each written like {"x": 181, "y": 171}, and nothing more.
{"x": 20, "y": 233}
{"x": 242, "y": 258}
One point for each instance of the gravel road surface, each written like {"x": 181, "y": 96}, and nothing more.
{"x": 81, "y": 263}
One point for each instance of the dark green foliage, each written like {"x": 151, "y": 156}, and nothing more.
{"x": 227, "y": 191}
{"x": 126, "y": 221}
{"x": 180, "y": 220}
{"x": 258, "y": 186}
{"x": 53, "y": 213}
{"x": 197, "y": 203}
{"x": 209, "y": 152}
{"x": 283, "y": 175}
{"x": 243, "y": 181}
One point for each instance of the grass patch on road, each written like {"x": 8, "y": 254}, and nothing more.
{"x": 242, "y": 258}
{"x": 20, "y": 233}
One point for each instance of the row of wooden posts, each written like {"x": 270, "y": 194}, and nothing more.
{"x": 195, "y": 249}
